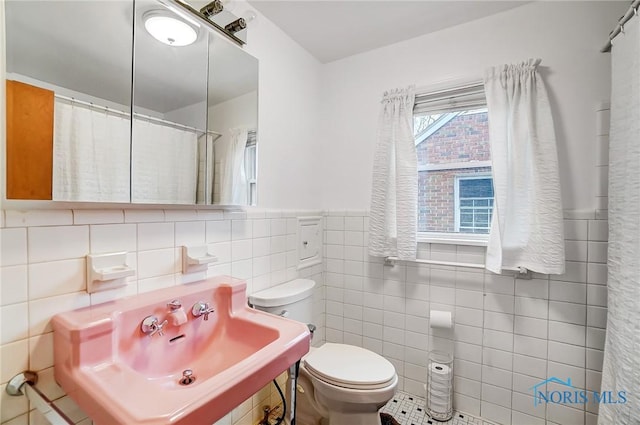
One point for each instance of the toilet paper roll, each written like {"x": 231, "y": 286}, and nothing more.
{"x": 442, "y": 398}
{"x": 440, "y": 319}
{"x": 436, "y": 388}
{"x": 440, "y": 372}
{"x": 444, "y": 404}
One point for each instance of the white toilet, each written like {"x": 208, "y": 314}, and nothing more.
{"x": 338, "y": 384}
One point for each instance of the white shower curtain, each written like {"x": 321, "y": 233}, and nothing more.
{"x": 527, "y": 224}
{"x": 394, "y": 195}
{"x": 164, "y": 168}
{"x": 621, "y": 371}
{"x": 90, "y": 154}
{"x": 204, "y": 191}
{"x": 233, "y": 184}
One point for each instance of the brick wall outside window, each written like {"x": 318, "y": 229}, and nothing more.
{"x": 436, "y": 206}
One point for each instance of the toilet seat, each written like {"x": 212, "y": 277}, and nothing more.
{"x": 348, "y": 366}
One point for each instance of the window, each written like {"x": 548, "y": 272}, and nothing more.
{"x": 473, "y": 204}
{"x": 455, "y": 189}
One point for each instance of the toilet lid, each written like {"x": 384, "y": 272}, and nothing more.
{"x": 349, "y": 366}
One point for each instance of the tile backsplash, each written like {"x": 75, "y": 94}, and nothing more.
{"x": 42, "y": 272}
{"x": 509, "y": 333}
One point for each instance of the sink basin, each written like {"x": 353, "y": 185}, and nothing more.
{"x": 119, "y": 375}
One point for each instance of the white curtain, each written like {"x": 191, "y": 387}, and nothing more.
{"x": 164, "y": 167}
{"x": 90, "y": 154}
{"x": 620, "y": 371}
{"x": 527, "y": 224}
{"x": 394, "y": 196}
{"x": 233, "y": 184}
{"x": 204, "y": 192}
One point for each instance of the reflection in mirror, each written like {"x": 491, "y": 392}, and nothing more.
{"x": 233, "y": 114}
{"x": 170, "y": 104}
{"x": 68, "y": 99}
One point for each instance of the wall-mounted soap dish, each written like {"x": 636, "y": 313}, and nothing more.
{"x": 196, "y": 258}
{"x": 107, "y": 271}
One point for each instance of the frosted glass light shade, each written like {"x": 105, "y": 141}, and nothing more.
{"x": 170, "y": 30}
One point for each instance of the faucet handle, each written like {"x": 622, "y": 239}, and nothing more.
{"x": 159, "y": 329}
{"x": 151, "y": 325}
{"x": 202, "y": 308}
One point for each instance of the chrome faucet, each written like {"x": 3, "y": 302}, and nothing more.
{"x": 151, "y": 325}
{"x": 174, "y": 305}
{"x": 177, "y": 313}
{"x": 201, "y": 308}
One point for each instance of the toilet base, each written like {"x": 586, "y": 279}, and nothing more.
{"x": 339, "y": 418}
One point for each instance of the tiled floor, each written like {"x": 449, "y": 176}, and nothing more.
{"x": 409, "y": 409}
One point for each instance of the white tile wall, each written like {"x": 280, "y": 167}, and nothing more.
{"x": 42, "y": 272}
{"x": 509, "y": 333}
{"x": 603, "y": 117}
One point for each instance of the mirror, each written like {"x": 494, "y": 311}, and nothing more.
{"x": 70, "y": 99}
{"x": 68, "y": 63}
{"x": 170, "y": 106}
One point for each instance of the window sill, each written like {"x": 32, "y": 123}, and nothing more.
{"x": 454, "y": 239}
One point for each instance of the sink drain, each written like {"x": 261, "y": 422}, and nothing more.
{"x": 187, "y": 377}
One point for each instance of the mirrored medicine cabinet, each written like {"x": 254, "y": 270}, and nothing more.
{"x": 101, "y": 110}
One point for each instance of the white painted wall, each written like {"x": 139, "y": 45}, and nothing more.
{"x": 566, "y": 35}
{"x": 288, "y": 119}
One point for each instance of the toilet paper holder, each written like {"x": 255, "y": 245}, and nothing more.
{"x": 439, "y": 387}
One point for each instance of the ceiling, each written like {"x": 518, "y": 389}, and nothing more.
{"x": 332, "y": 30}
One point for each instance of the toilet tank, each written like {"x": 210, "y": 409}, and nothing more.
{"x": 291, "y": 299}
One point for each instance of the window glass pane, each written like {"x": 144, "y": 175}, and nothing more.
{"x": 454, "y": 166}
{"x": 476, "y": 188}
{"x": 482, "y": 219}
{"x": 466, "y": 218}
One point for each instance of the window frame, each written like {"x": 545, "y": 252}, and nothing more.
{"x": 446, "y": 95}
{"x": 251, "y": 167}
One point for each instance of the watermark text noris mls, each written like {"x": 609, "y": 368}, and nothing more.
{"x": 568, "y": 394}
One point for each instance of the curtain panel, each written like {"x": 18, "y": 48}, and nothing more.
{"x": 620, "y": 371}
{"x": 394, "y": 196}
{"x": 527, "y": 223}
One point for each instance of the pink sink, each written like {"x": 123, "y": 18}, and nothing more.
{"x": 119, "y": 375}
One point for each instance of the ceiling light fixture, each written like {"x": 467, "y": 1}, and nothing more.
{"x": 242, "y": 22}
{"x": 237, "y": 25}
{"x": 169, "y": 30}
{"x": 212, "y": 8}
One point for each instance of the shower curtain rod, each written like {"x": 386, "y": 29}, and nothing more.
{"x": 137, "y": 115}
{"x": 633, "y": 11}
